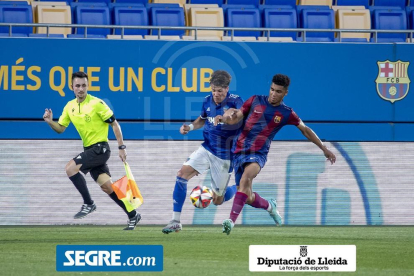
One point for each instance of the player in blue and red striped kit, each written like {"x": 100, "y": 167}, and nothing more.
{"x": 263, "y": 117}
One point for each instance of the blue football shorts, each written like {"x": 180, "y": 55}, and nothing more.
{"x": 240, "y": 160}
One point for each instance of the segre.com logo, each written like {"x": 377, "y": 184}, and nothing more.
{"x": 109, "y": 257}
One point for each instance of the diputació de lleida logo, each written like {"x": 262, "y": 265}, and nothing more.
{"x": 303, "y": 251}
{"x": 392, "y": 82}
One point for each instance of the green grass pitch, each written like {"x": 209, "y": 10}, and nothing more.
{"x": 204, "y": 250}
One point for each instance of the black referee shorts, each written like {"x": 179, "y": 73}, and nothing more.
{"x": 93, "y": 159}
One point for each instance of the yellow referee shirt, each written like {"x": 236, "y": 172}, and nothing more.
{"x": 89, "y": 118}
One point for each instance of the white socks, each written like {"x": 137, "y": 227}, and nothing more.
{"x": 177, "y": 216}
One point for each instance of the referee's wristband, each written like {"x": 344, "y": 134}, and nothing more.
{"x": 121, "y": 147}
{"x": 191, "y": 127}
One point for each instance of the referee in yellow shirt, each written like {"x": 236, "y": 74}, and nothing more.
{"x": 91, "y": 118}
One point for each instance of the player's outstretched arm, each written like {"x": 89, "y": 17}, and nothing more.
{"x": 120, "y": 139}
{"x": 48, "y": 117}
{"x": 198, "y": 123}
{"x": 231, "y": 117}
{"x": 308, "y": 133}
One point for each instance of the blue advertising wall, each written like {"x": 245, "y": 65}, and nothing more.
{"x": 333, "y": 85}
{"x": 155, "y": 86}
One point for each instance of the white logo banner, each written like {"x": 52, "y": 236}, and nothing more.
{"x": 302, "y": 258}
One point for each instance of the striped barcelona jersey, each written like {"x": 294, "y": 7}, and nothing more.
{"x": 219, "y": 139}
{"x": 261, "y": 123}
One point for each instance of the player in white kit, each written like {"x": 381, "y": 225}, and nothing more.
{"x": 214, "y": 153}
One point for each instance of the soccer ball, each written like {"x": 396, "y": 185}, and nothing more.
{"x": 201, "y": 197}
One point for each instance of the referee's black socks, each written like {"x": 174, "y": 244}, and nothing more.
{"x": 79, "y": 181}
{"x": 122, "y": 205}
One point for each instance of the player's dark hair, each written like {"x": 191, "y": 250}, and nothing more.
{"x": 281, "y": 80}
{"x": 220, "y": 78}
{"x": 79, "y": 75}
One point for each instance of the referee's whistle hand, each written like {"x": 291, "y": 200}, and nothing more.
{"x": 48, "y": 115}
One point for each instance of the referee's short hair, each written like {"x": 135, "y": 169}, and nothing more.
{"x": 79, "y": 75}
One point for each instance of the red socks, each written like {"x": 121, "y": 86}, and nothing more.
{"x": 240, "y": 200}
{"x": 260, "y": 202}
{"x": 238, "y": 204}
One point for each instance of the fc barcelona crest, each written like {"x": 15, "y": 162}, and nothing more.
{"x": 392, "y": 81}
{"x": 277, "y": 119}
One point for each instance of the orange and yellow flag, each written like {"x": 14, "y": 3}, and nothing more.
{"x": 127, "y": 190}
